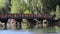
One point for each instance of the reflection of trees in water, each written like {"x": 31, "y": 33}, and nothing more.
{"x": 30, "y": 25}
{"x": 2, "y": 25}
{"x": 11, "y": 24}
{"x": 25, "y": 24}
{"x": 18, "y": 23}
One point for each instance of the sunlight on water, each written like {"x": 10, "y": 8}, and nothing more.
{"x": 22, "y": 32}
{"x": 30, "y": 31}
{"x": 14, "y": 32}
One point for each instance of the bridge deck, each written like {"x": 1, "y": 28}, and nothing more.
{"x": 27, "y": 16}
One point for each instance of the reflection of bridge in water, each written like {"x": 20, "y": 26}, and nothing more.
{"x": 30, "y": 17}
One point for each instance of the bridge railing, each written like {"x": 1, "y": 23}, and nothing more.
{"x": 27, "y": 16}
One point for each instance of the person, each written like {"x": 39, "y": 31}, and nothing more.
{"x": 11, "y": 24}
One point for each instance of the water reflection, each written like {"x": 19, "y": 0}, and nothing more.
{"x": 11, "y": 24}
{"x": 48, "y": 30}
{"x": 24, "y": 27}
{"x": 1, "y": 25}
{"x": 14, "y": 32}
{"x": 27, "y": 31}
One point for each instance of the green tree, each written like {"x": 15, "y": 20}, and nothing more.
{"x": 35, "y": 6}
{"x": 5, "y": 6}
{"x": 48, "y": 6}
{"x": 18, "y": 6}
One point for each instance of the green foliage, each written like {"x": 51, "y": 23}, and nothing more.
{"x": 0, "y": 4}
{"x": 30, "y": 7}
{"x": 57, "y": 12}
{"x": 18, "y": 6}
{"x": 4, "y": 6}
{"x": 35, "y": 5}
{"x": 28, "y": 12}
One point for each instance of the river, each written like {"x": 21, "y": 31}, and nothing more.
{"x": 48, "y": 30}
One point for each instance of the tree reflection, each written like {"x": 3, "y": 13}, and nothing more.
{"x": 42, "y": 25}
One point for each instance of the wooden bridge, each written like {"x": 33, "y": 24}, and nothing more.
{"x": 26, "y": 16}
{"x": 4, "y": 18}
